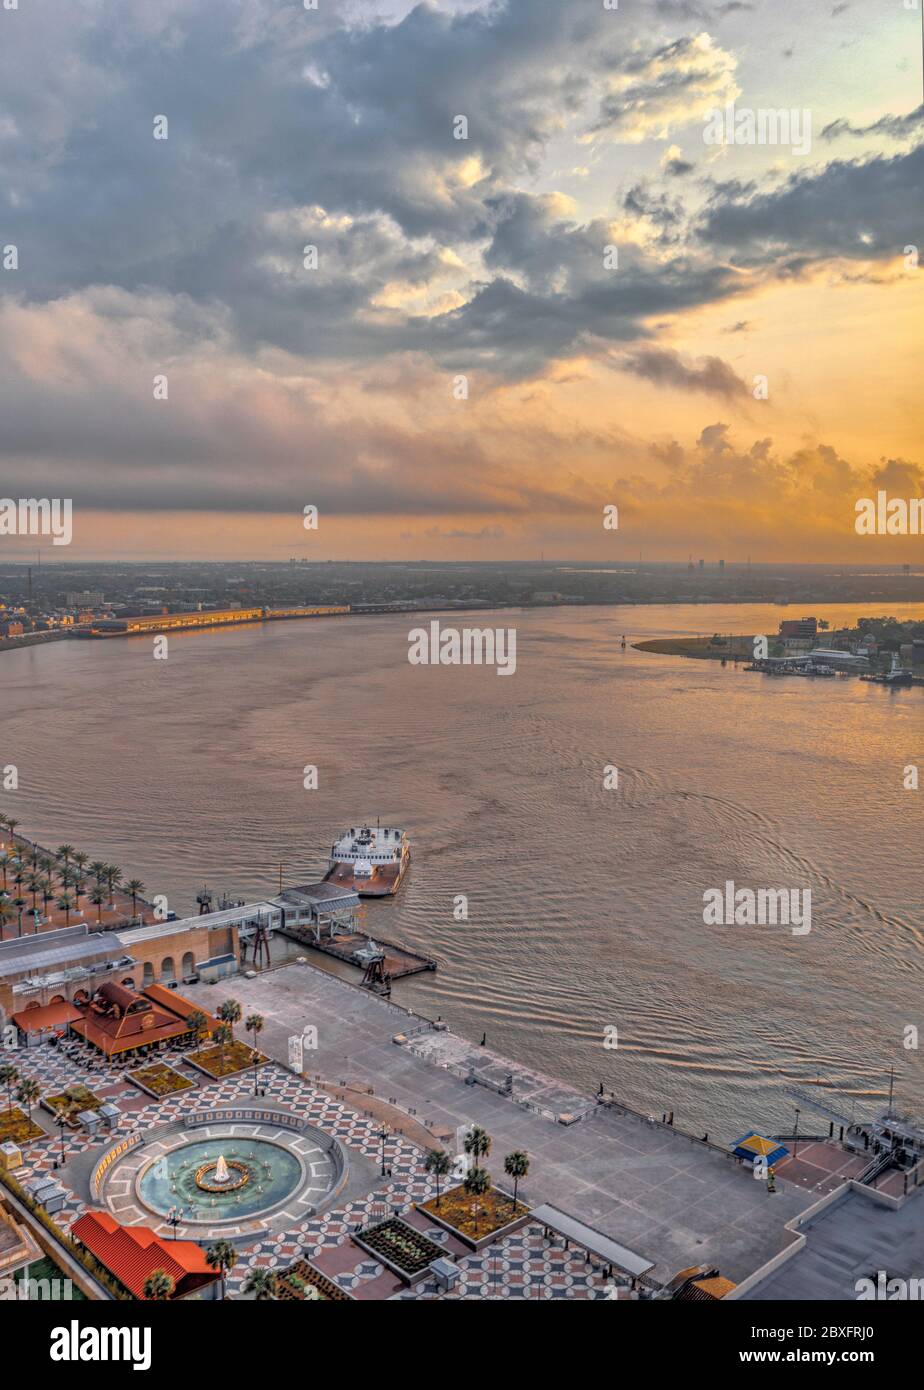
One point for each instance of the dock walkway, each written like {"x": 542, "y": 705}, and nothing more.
{"x": 398, "y": 962}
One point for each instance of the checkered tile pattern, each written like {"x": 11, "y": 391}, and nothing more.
{"x": 522, "y": 1265}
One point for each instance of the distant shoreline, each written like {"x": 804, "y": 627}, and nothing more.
{"x": 699, "y": 648}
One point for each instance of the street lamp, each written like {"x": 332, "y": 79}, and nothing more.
{"x": 383, "y": 1135}
{"x": 175, "y": 1216}
{"x": 59, "y": 1120}
{"x": 795, "y": 1141}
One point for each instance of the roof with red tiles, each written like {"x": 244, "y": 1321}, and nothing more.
{"x": 47, "y": 1016}
{"x": 132, "y": 1253}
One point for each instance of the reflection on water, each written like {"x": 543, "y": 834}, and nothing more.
{"x": 585, "y": 905}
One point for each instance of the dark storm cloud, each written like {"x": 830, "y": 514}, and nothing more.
{"x": 849, "y": 208}
{"x": 274, "y": 111}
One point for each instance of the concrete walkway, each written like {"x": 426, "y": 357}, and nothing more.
{"x": 669, "y": 1198}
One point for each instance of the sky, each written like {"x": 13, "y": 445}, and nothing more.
{"x": 541, "y": 284}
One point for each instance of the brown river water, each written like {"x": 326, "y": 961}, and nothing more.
{"x": 585, "y": 904}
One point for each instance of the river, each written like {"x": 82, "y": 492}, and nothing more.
{"x": 585, "y": 904}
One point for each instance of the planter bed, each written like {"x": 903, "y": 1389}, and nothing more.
{"x": 238, "y": 1056}
{"x": 476, "y": 1221}
{"x": 70, "y": 1103}
{"x": 18, "y": 1127}
{"x": 159, "y": 1080}
{"x": 305, "y": 1274}
{"x": 395, "y": 1244}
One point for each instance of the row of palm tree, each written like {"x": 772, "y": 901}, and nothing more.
{"x": 48, "y": 877}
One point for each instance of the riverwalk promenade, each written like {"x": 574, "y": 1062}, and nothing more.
{"x": 670, "y": 1198}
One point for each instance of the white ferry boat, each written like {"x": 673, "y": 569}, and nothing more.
{"x": 371, "y": 861}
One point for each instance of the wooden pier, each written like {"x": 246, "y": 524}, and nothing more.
{"x": 397, "y": 962}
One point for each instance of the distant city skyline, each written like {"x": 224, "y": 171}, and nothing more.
{"x": 252, "y": 262}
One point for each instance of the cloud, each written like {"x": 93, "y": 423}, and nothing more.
{"x": 664, "y": 367}
{"x": 657, "y": 93}
{"x": 674, "y": 164}
{"x": 858, "y": 208}
{"x": 897, "y": 127}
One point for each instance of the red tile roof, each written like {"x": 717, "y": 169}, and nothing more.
{"x": 132, "y": 1253}
{"x": 178, "y": 1004}
{"x": 46, "y": 1016}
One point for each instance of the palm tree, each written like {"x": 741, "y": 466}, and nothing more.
{"x": 11, "y": 824}
{"x": 5, "y": 914}
{"x": 64, "y": 854}
{"x": 253, "y": 1024}
{"x": 80, "y": 861}
{"x": 65, "y": 902}
{"x": 34, "y": 886}
{"x": 516, "y": 1166}
{"x": 478, "y": 1143}
{"x": 98, "y": 870}
{"x": 439, "y": 1164}
{"x": 158, "y": 1286}
{"x": 27, "y": 1093}
{"x": 230, "y": 1012}
{"x": 134, "y": 886}
{"x": 97, "y": 898}
{"x": 113, "y": 875}
{"x": 222, "y": 1036}
{"x": 19, "y": 904}
{"x": 223, "y": 1257}
{"x": 47, "y": 891}
{"x": 6, "y": 860}
{"x": 476, "y": 1182}
{"x": 8, "y": 1078}
{"x": 262, "y": 1284}
{"x": 198, "y": 1023}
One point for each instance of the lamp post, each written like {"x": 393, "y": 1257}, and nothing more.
{"x": 60, "y": 1123}
{"x": 175, "y": 1216}
{"x": 383, "y": 1135}
{"x": 795, "y": 1139}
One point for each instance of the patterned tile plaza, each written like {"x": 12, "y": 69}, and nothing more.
{"x": 522, "y": 1265}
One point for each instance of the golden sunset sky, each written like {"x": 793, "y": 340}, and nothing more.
{"x": 440, "y": 258}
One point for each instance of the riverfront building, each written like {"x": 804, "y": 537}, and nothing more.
{"x": 155, "y": 623}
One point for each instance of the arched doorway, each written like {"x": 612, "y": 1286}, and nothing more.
{"x": 189, "y": 965}
{"x": 167, "y": 973}
{"x": 147, "y": 975}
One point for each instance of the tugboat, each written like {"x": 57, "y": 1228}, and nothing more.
{"x": 896, "y": 675}
{"x": 370, "y": 861}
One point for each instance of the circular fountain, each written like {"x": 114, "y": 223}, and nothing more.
{"x": 222, "y": 1176}
{"x": 211, "y": 1182}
